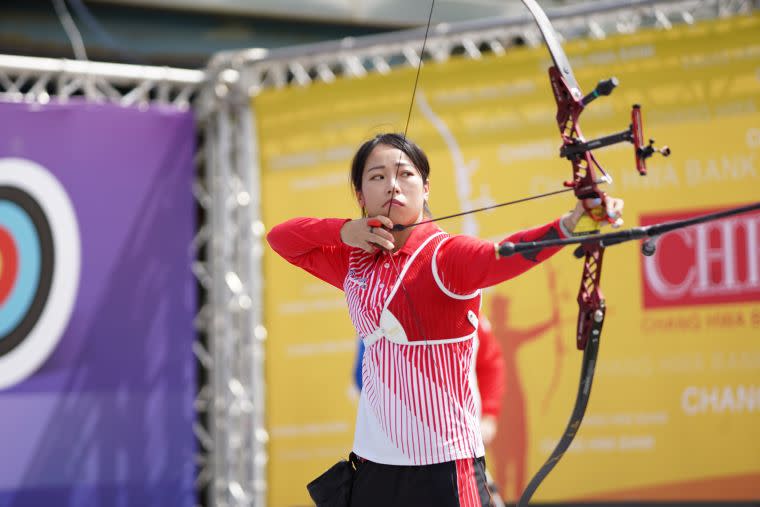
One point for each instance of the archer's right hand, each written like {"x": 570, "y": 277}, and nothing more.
{"x": 369, "y": 234}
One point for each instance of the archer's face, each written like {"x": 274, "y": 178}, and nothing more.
{"x": 390, "y": 180}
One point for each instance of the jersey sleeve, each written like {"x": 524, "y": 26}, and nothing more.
{"x": 466, "y": 264}
{"x": 314, "y": 245}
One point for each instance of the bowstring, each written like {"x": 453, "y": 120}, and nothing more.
{"x": 415, "y": 314}
{"x": 418, "y": 323}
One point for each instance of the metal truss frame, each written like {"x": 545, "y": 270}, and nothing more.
{"x": 258, "y": 69}
{"x": 233, "y": 314}
{"x": 30, "y": 79}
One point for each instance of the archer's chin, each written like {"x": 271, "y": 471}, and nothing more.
{"x": 403, "y": 217}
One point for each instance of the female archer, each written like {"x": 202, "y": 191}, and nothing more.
{"x": 413, "y": 294}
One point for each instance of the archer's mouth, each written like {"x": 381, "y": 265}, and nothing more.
{"x": 393, "y": 202}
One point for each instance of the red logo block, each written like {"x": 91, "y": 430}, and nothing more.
{"x": 710, "y": 263}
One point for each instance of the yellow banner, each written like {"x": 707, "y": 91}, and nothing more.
{"x": 675, "y": 409}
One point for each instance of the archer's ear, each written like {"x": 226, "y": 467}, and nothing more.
{"x": 360, "y": 198}
{"x": 426, "y": 186}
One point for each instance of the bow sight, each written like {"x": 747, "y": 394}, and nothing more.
{"x": 634, "y": 134}
{"x": 574, "y": 146}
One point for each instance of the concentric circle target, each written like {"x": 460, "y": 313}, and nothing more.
{"x": 40, "y": 257}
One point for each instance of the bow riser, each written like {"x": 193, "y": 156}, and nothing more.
{"x": 591, "y": 304}
{"x": 586, "y": 178}
{"x": 569, "y": 109}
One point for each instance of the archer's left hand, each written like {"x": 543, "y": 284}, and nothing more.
{"x": 611, "y": 212}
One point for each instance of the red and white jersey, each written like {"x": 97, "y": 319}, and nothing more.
{"x": 417, "y": 311}
{"x": 418, "y": 404}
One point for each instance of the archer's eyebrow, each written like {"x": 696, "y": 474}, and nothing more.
{"x": 399, "y": 163}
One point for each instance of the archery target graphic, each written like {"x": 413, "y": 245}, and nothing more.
{"x": 40, "y": 257}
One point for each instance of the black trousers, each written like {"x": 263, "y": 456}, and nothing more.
{"x": 460, "y": 483}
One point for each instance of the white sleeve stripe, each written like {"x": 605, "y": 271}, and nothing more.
{"x": 438, "y": 281}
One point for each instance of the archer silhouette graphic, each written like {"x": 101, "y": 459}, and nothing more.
{"x": 509, "y": 447}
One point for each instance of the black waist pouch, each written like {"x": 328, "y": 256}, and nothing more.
{"x": 333, "y": 488}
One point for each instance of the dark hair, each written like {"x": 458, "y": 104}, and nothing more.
{"x": 400, "y": 141}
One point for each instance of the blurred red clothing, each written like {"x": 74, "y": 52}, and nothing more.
{"x": 489, "y": 369}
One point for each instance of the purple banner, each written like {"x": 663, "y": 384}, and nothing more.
{"x": 97, "y": 299}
